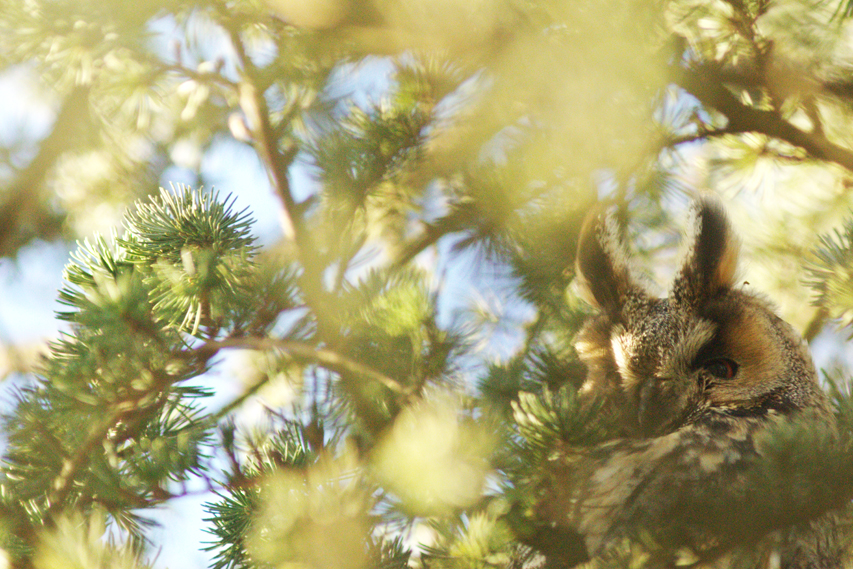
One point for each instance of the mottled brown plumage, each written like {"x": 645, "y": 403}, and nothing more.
{"x": 697, "y": 380}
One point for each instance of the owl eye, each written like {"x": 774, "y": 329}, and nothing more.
{"x": 722, "y": 368}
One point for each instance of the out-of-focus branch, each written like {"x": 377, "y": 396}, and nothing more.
{"x": 701, "y": 135}
{"x": 428, "y": 237}
{"x": 325, "y": 357}
{"x": 816, "y": 324}
{"x": 23, "y": 213}
{"x": 19, "y": 358}
{"x": 707, "y": 85}
{"x": 278, "y": 162}
{"x": 254, "y": 105}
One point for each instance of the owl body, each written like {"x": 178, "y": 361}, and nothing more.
{"x": 699, "y": 382}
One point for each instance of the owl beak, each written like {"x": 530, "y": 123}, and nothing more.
{"x": 645, "y": 405}
{"x": 655, "y": 404}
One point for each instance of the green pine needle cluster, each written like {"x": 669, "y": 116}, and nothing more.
{"x": 194, "y": 252}
{"x": 113, "y": 421}
{"x": 830, "y": 273}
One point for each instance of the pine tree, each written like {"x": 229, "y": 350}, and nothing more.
{"x": 413, "y": 415}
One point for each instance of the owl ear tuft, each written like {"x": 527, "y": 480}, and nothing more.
{"x": 601, "y": 265}
{"x": 710, "y": 264}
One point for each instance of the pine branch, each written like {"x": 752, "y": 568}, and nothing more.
{"x": 22, "y": 215}
{"x": 703, "y": 134}
{"x": 253, "y": 104}
{"x": 325, "y": 357}
{"x": 130, "y": 410}
{"x": 706, "y": 84}
{"x": 277, "y": 164}
{"x": 120, "y": 358}
{"x": 256, "y": 110}
{"x": 829, "y": 274}
{"x": 75, "y": 464}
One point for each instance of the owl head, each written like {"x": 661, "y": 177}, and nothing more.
{"x": 709, "y": 346}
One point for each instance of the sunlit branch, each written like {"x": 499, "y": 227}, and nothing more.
{"x": 20, "y": 208}
{"x": 325, "y": 357}
{"x": 704, "y": 84}
{"x": 73, "y": 465}
{"x": 278, "y": 163}
{"x": 257, "y": 113}
{"x": 131, "y": 410}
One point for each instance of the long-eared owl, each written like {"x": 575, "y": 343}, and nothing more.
{"x": 698, "y": 380}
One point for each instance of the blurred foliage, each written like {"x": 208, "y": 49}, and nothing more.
{"x": 831, "y": 273}
{"x": 454, "y": 148}
{"x": 430, "y": 438}
{"x": 78, "y": 542}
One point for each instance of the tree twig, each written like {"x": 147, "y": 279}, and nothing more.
{"x": 23, "y": 215}
{"x": 327, "y": 358}
{"x": 278, "y": 163}
{"x": 257, "y": 113}
{"x": 72, "y": 466}
{"x": 705, "y": 84}
{"x": 815, "y": 324}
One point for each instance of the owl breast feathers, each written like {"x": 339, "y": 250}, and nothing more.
{"x": 697, "y": 380}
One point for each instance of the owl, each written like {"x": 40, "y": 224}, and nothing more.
{"x": 698, "y": 381}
